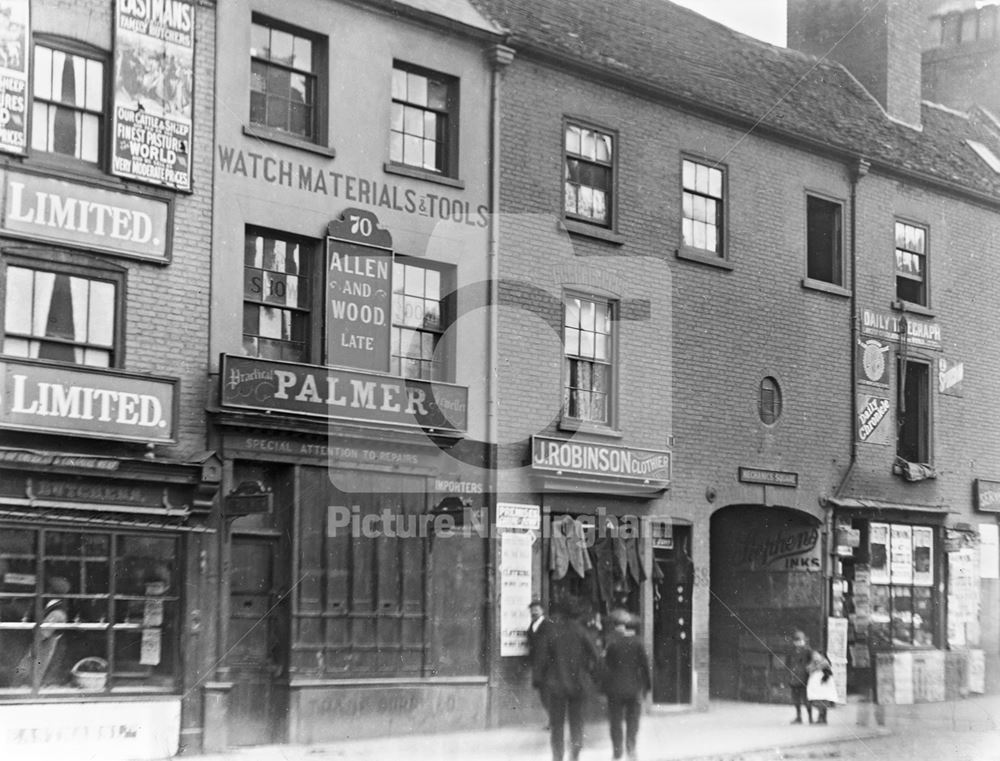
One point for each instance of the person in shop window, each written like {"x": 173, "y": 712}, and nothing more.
{"x": 540, "y": 629}
{"x": 50, "y": 659}
{"x": 626, "y": 681}
{"x": 568, "y": 661}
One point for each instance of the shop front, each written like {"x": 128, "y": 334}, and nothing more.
{"x": 100, "y": 590}
{"x": 354, "y": 573}
{"x": 590, "y": 540}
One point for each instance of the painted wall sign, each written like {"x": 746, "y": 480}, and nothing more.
{"x": 768, "y": 477}
{"x": 79, "y": 401}
{"x": 154, "y": 70}
{"x": 44, "y": 208}
{"x": 781, "y": 550}
{"x": 872, "y": 367}
{"x": 583, "y": 458}
{"x": 115, "y": 731}
{"x": 325, "y": 182}
{"x": 14, "y": 65}
{"x": 358, "y": 292}
{"x": 987, "y": 495}
{"x": 338, "y": 394}
{"x": 887, "y": 326}
{"x": 950, "y": 377}
{"x": 47, "y": 460}
{"x": 873, "y": 419}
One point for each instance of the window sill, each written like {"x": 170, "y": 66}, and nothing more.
{"x": 696, "y": 255}
{"x": 273, "y": 136}
{"x": 822, "y": 285}
{"x": 591, "y": 231}
{"x": 909, "y": 306}
{"x": 422, "y": 174}
{"x": 585, "y": 426}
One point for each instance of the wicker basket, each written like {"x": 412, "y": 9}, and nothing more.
{"x": 90, "y": 673}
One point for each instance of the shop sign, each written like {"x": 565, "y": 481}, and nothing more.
{"x": 450, "y": 486}
{"x": 14, "y": 58}
{"x": 873, "y": 416}
{"x": 51, "y": 460}
{"x": 514, "y": 516}
{"x": 359, "y": 293}
{"x": 80, "y": 401}
{"x": 84, "y": 216}
{"x": 154, "y": 70}
{"x": 116, "y": 731}
{"x": 987, "y": 495}
{"x": 950, "y": 377}
{"x": 872, "y": 367}
{"x": 337, "y": 394}
{"x": 94, "y": 492}
{"x": 568, "y": 456}
{"x": 889, "y": 327}
{"x": 768, "y": 477}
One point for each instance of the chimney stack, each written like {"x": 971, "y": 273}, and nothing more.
{"x": 878, "y": 41}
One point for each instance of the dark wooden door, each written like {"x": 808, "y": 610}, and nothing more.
{"x": 258, "y": 643}
{"x": 672, "y": 587}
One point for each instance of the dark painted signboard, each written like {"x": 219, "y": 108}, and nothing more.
{"x": 358, "y": 292}
{"x": 154, "y": 87}
{"x": 338, "y": 394}
{"x": 87, "y": 402}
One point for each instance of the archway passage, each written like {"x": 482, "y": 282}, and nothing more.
{"x": 766, "y": 582}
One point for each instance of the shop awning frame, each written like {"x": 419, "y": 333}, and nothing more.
{"x": 864, "y": 503}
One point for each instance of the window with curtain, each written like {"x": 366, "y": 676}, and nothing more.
{"x": 67, "y": 115}
{"x": 587, "y": 337}
{"x": 66, "y": 316}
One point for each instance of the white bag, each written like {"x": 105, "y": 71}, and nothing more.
{"x": 817, "y": 689}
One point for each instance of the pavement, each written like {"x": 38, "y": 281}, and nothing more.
{"x": 727, "y": 731}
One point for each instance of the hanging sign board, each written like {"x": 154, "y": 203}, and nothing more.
{"x": 14, "y": 56}
{"x": 154, "y": 71}
{"x": 359, "y": 293}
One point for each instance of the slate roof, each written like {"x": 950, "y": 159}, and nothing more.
{"x": 696, "y": 61}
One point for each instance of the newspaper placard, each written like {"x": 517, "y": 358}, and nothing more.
{"x": 515, "y": 592}
{"x": 154, "y": 72}
{"x": 878, "y": 543}
{"x": 923, "y": 556}
{"x": 901, "y": 553}
{"x": 510, "y": 515}
{"x": 989, "y": 551}
{"x": 14, "y": 31}
{"x": 836, "y": 638}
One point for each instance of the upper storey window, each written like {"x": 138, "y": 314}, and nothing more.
{"x": 423, "y": 127}
{"x": 68, "y": 108}
{"x": 589, "y": 174}
{"x": 283, "y": 79}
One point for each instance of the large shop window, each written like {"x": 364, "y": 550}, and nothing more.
{"x": 284, "y": 71}
{"x": 277, "y": 295}
{"x": 588, "y": 337}
{"x": 87, "y": 610}
{"x": 594, "y": 567}
{"x": 66, "y": 315}
{"x": 904, "y": 601}
{"x": 67, "y": 116}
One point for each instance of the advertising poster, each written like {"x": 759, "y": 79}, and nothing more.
{"x": 154, "y": 71}
{"x": 872, "y": 367}
{"x": 989, "y": 551}
{"x": 901, "y": 554}
{"x": 14, "y": 76}
{"x": 874, "y": 421}
{"x": 515, "y": 592}
{"x": 879, "y": 553}
{"x": 923, "y": 556}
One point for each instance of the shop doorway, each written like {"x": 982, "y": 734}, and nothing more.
{"x": 257, "y": 651}
{"x": 672, "y": 587}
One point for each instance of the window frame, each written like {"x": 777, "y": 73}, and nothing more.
{"x": 925, "y": 445}
{"x": 319, "y": 142}
{"x": 770, "y": 415}
{"x": 60, "y": 262}
{"x": 839, "y": 281}
{"x": 925, "y": 281}
{"x": 104, "y": 138}
{"x": 449, "y": 157}
{"x": 719, "y": 258}
{"x": 578, "y": 222}
{"x": 444, "y": 345}
{"x": 573, "y": 422}
{"x": 312, "y": 334}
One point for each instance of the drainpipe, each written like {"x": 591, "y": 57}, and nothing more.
{"x": 499, "y": 56}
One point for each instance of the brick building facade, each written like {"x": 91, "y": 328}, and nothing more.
{"x": 104, "y": 279}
